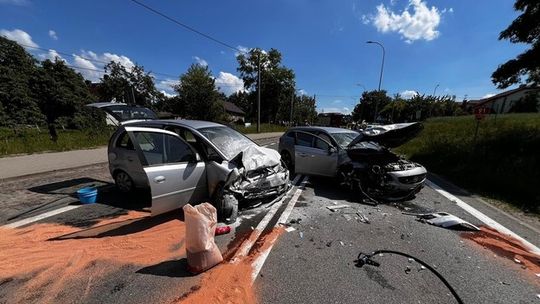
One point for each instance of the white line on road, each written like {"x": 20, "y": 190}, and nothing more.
{"x": 483, "y": 218}
{"x": 39, "y": 217}
{"x": 261, "y": 258}
{"x": 246, "y": 246}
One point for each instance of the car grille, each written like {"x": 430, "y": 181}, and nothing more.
{"x": 413, "y": 179}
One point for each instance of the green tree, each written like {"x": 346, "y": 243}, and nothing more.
{"x": 304, "y": 109}
{"x": 524, "y": 29}
{"x": 365, "y": 109}
{"x": 59, "y": 92}
{"x": 244, "y": 101}
{"x": 198, "y": 97}
{"x": 134, "y": 86}
{"x": 277, "y": 81}
{"x": 16, "y": 69}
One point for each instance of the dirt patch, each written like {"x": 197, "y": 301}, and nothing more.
{"x": 232, "y": 282}
{"x": 45, "y": 259}
{"x": 506, "y": 246}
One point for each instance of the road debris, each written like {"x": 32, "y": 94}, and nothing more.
{"x": 444, "y": 220}
{"x": 336, "y": 207}
{"x": 301, "y": 234}
{"x": 201, "y": 250}
{"x": 517, "y": 261}
{"x": 347, "y": 217}
{"x": 222, "y": 230}
{"x": 290, "y": 229}
{"x": 362, "y": 218}
{"x": 408, "y": 269}
{"x": 341, "y": 243}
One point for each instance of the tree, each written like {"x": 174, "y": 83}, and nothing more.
{"x": 304, "y": 109}
{"x": 277, "y": 81}
{"x": 59, "y": 92}
{"x": 244, "y": 101}
{"x": 133, "y": 85}
{"x": 16, "y": 69}
{"x": 524, "y": 29}
{"x": 365, "y": 109}
{"x": 198, "y": 97}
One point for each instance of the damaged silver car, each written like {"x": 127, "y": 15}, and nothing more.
{"x": 193, "y": 161}
{"x": 360, "y": 160}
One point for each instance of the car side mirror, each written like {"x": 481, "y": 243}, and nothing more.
{"x": 332, "y": 150}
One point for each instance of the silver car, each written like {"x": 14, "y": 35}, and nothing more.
{"x": 359, "y": 159}
{"x": 192, "y": 161}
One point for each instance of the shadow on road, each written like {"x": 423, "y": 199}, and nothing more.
{"x": 172, "y": 269}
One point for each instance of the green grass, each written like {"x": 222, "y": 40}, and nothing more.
{"x": 32, "y": 141}
{"x": 503, "y": 164}
{"x": 264, "y": 128}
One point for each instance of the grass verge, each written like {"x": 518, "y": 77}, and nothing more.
{"x": 503, "y": 163}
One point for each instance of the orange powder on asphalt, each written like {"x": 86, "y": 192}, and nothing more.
{"x": 505, "y": 246}
{"x": 47, "y": 257}
{"x": 231, "y": 282}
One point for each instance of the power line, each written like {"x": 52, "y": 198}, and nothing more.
{"x": 189, "y": 28}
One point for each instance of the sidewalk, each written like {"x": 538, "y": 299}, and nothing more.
{"x": 45, "y": 162}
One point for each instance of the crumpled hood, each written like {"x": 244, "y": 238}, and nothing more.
{"x": 390, "y": 136}
{"x": 256, "y": 158}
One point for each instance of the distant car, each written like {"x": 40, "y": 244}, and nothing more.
{"x": 192, "y": 161}
{"x": 359, "y": 160}
{"x": 118, "y": 113}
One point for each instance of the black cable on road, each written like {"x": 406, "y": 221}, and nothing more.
{"x": 364, "y": 259}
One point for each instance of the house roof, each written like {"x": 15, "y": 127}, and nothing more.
{"x": 482, "y": 102}
{"x": 232, "y": 108}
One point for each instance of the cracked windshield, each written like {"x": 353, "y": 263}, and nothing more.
{"x": 250, "y": 152}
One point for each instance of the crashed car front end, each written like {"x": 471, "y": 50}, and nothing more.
{"x": 260, "y": 184}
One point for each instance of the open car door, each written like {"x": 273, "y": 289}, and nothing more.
{"x": 176, "y": 174}
{"x": 314, "y": 156}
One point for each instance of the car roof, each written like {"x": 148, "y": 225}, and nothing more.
{"x": 194, "y": 124}
{"x": 325, "y": 129}
{"x": 105, "y": 104}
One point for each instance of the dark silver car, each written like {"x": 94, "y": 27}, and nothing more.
{"x": 192, "y": 161}
{"x": 359, "y": 159}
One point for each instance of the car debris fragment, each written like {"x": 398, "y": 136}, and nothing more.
{"x": 336, "y": 207}
{"x": 444, "y": 220}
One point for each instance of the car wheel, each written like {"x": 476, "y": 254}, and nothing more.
{"x": 287, "y": 160}
{"x": 123, "y": 182}
{"x": 226, "y": 205}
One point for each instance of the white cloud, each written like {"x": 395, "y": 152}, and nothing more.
{"x": 53, "y": 35}
{"x": 242, "y": 49}
{"x": 88, "y": 69}
{"x": 19, "y": 36}
{"x": 200, "y": 61}
{"x": 302, "y": 92}
{"x": 488, "y": 95}
{"x": 15, "y": 2}
{"x": 52, "y": 55}
{"x": 229, "y": 83}
{"x": 167, "y": 94}
{"x": 107, "y": 57}
{"x": 408, "y": 94}
{"x": 419, "y": 24}
{"x": 166, "y": 86}
{"x": 337, "y": 101}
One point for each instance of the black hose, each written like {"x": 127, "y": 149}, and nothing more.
{"x": 366, "y": 259}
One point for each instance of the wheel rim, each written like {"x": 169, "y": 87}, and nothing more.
{"x": 123, "y": 181}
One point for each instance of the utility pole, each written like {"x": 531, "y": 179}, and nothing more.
{"x": 292, "y": 101}
{"x": 258, "y": 91}
{"x": 133, "y": 95}
{"x": 435, "y": 90}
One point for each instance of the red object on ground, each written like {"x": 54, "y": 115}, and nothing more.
{"x": 223, "y": 230}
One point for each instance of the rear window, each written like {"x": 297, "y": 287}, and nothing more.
{"x": 123, "y": 113}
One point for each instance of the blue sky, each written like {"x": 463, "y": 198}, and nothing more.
{"x": 450, "y": 43}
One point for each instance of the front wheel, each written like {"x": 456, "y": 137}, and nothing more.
{"x": 226, "y": 205}
{"x": 287, "y": 160}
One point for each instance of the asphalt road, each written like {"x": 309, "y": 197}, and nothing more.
{"x": 312, "y": 263}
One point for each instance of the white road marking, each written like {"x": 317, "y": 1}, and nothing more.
{"x": 261, "y": 258}
{"x": 483, "y": 218}
{"x": 246, "y": 246}
{"x": 39, "y": 217}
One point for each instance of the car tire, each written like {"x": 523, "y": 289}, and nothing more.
{"x": 124, "y": 182}
{"x": 226, "y": 205}
{"x": 287, "y": 160}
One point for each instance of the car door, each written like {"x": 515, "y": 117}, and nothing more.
{"x": 176, "y": 174}
{"x": 314, "y": 155}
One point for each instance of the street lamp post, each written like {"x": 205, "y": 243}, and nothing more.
{"x": 259, "y": 91}
{"x": 292, "y": 101}
{"x": 380, "y": 76}
{"x": 435, "y": 90}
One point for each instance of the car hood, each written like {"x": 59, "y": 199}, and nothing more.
{"x": 254, "y": 157}
{"x": 390, "y": 136}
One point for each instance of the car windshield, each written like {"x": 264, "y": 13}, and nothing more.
{"x": 227, "y": 140}
{"x": 344, "y": 138}
{"x": 123, "y": 113}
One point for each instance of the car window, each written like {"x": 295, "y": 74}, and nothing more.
{"x": 124, "y": 142}
{"x": 290, "y": 134}
{"x": 321, "y": 144}
{"x": 325, "y": 137}
{"x": 159, "y": 148}
{"x": 304, "y": 139}
{"x": 195, "y": 141}
{"x": 227, "y": 140}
